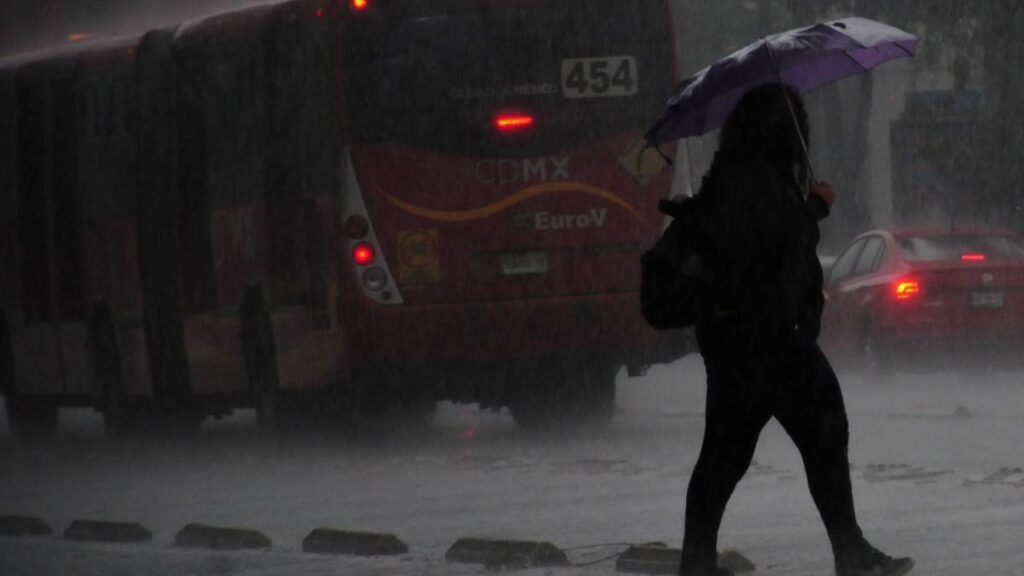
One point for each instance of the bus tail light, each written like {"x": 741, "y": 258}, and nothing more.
{"x": 356, "y": 227}
{"x": 511, "y": 122}
{"x": 363, "y": 254}
{"x": 906, "y": 289}
{"x": 367, "y": 260}
{"x": 375, "y": 279}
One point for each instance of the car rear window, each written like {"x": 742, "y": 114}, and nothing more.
{"x": 953, "y": 248}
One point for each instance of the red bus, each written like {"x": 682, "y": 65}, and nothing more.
{"x": 393, "y": 201}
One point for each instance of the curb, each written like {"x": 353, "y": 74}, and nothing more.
{"x": 330, "y": 541}
{"x": 98, "y": 531}
{"x": 663, "y": 560}
{"x": 505, "y": 554}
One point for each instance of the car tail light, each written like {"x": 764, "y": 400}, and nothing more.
{"x": 906, "y": 289}
{"x": 510, "y": 122}
{"x": 363, "y": 254}
{"x": 972, "y": 257}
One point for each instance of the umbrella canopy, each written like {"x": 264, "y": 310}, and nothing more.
{"x": 804, "y": 58}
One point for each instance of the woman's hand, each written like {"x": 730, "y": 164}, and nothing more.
{"x": 824, "y": 190}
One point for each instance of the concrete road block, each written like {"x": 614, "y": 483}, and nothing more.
{"x": 216, "y": 538}
{"x": 663, "y": 560}
{"x": 97, "y": 531}
{"x": 23, "y": 526}
{"x": 505, "y": 554}
{"x": 735, "y": 562}
{"x": 649, "y": 560}
{"x": 329, "y": 541}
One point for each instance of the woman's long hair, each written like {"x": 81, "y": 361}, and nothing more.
{"x": 761, "y": 127}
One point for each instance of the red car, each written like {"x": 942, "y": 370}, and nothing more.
{"x": 949, "y": 293}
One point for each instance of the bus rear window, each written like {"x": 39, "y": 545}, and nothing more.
{"x": 438, "y": 78}
{"x": 954, "y": 248}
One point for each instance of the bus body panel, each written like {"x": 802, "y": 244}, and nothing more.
{"x": 507, "y": 330}
{"x": 509, "y": 244}
{"x": 108, "y": 165}
{"x": 309, "y": 356}
{"x": 47, "y": 226}
{"x": 582, "y": 208}
{"x": 158, "y": 224}
{"x": 213, "y": 344}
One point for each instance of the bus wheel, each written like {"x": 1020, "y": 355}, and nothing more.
{"x": 31, "y": 418}
{"x": 120, "y": 413}
{"x": 27, "y": 417}
{"x": 564, "y": 395}
{"x": 261, "y": 360}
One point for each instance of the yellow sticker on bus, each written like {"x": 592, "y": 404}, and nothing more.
{"x": 419, "y": 261}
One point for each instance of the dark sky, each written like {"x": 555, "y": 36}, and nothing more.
{"x": 32, "y": 24}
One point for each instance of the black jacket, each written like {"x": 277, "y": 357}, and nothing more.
{"x": 762, "y": 246}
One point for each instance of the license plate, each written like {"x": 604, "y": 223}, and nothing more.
{"x": 523, "y": 263}
{"x": 987, "y": 299}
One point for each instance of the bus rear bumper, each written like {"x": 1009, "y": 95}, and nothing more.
{"x": 608, "y": 326}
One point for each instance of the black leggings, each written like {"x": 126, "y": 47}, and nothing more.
{"x": 754, "y": 375}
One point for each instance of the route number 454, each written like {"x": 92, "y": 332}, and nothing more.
{"x": 599, "y": 77}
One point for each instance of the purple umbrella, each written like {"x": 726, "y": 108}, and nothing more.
{"x": 804, "y": 58}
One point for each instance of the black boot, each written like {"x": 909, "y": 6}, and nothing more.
{"x": 872, "y": 562}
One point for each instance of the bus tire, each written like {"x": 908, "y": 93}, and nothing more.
{"x": 28, "y": 417}
{"x": 120, "y": 412}
{"x": 31, "y": 418}
{"x": 261, "y": 361}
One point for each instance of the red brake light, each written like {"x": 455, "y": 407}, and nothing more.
{"x": 972, "y": 257}
{"x": 360, "y": 4}
{"x": 907, "y": 289}
{"x": 363, "y": 254}
{"x": 510, "y": 122}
